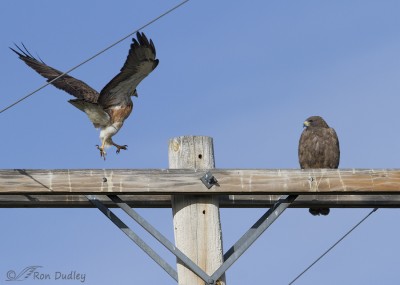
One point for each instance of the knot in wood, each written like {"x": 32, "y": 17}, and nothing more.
{"x": 175, "y": 145}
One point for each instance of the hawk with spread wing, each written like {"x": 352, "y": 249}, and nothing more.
{"x": 318, "y": 148}
{"x": 108, "y": 109}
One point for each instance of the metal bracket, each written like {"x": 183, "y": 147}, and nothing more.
{"x": 230, "y": 256}
{"x": 134, "y": 237}
{"x": 161, "y": 238}
{"x": 253, "y": 234}
{"x": 209, "y": 180}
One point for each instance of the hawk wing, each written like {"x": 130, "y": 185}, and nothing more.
{"x": 141, "y": 61}
{"x": 319, "y": 148}
{"x": 71, "y": 85}
{"x": 94, "y": 111}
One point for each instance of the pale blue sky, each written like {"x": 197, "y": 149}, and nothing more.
{"x": 246, "y": 73}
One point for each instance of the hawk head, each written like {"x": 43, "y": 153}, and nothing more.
{"x": 315, "y": 122}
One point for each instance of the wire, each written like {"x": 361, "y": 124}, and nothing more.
{"x": 97, "y": 54}
{"x": 335, "y": 244}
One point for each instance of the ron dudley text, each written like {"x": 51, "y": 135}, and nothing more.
{"x": 72, "y": 275}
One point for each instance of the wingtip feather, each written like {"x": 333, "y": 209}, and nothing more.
{"x": 142, "y": 40}
{"x": 15, "y": 51}
{"x": 153, "y": 48}
{"x": 27, "y": 51}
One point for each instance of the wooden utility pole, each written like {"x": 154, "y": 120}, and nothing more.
{"x": 195, "y": 204}
{"x": 197, "y": 225}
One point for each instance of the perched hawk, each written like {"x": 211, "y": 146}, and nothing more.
{"x": 318, "y": 148}
{"x": 108, "y": 109}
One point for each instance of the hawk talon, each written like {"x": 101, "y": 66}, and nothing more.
{"x": 102, "y": 151}
{"x": 119, "y": 147}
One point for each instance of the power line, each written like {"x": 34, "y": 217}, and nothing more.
{"x": 335, "y": 244}
{"x": 97, "y": 54}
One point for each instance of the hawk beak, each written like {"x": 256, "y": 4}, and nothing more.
{"x": 306, "y": 124}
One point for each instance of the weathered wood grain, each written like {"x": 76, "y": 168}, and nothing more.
{"x": 197, "y": 226}
{"x": 184, "y": 181}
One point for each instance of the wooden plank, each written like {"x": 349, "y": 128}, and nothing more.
{"x": 183, "y": 181}
{"x": 225, "y": 201}
{"x": 80, "y": 201}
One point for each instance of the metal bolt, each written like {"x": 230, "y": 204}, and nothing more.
{"x": 209, "y": 180}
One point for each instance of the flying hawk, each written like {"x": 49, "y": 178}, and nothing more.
{"x": 318, "y": 148}
{"x": 108, "y": 109}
